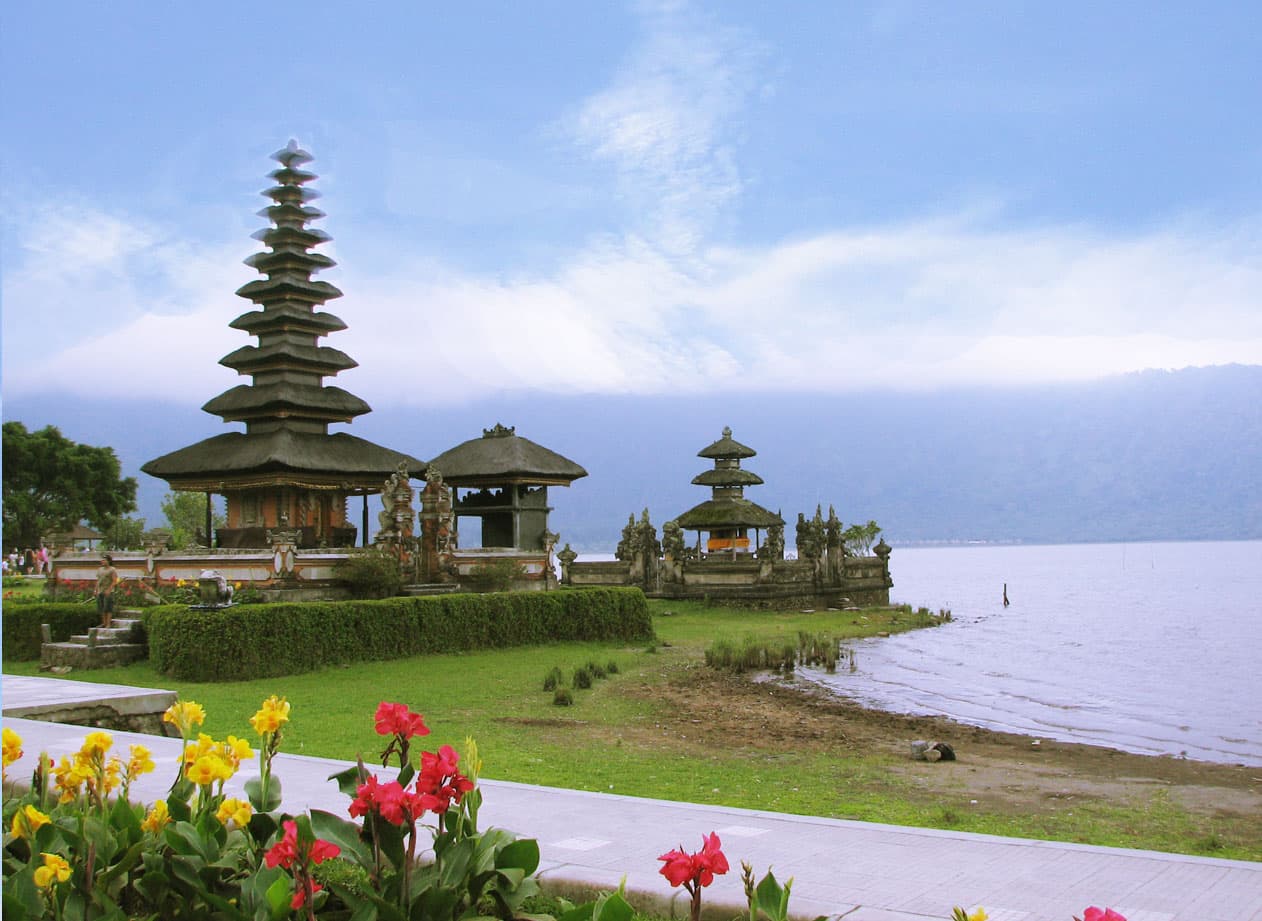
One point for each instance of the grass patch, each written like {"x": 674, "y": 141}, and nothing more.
{"x": 642, "y": 731}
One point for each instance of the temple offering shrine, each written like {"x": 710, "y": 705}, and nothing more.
{"x": 506, "y": 479}
{"x": 727, "y": 516}
{"x": 286, "y": 471}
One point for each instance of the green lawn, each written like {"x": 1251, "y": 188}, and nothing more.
{"x": 615, "y": 736}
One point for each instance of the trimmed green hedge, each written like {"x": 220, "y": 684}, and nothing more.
{"x": 269, "y": 640}
{"x": 22, "y": 638}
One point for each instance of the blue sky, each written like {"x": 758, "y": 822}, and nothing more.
{"x": 639, "y": 198}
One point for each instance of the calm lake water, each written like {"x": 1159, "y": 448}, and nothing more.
{"x": 1153, "y": 648}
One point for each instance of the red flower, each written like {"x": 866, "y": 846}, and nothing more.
{"x": 393, "y": 803}
{"x": 398, "y": 720}
{"x": 300, "y": 895}
{"x": 285, "y": 851}
{"x": 1098, "y": 914}
{"x": 440, "y": 783}
{"x": 300, "y": 856}
{"x": 693, "y": 871}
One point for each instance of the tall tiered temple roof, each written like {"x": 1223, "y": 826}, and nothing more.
{"x": 286, "y": 408}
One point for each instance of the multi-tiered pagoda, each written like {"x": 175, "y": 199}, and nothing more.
{"x": 286, "y": 470}
{"x": 728, "y": 516}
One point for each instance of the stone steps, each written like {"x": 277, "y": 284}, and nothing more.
{"x": 430, "y": 588}
{"x": 100, "y": 647}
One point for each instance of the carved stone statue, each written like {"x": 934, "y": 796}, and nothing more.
{"x": 645, "y": 539}
{"x": 626, "y": 546}
{"x": 673, "y": 540}
{"x": 396, "y": 515}
{"x": 773, "y": 547}
{"x": 566, "y": 556}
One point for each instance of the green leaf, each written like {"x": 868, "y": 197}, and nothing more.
{"x": 609, "y": 906}
{"x": 344, "y": 834}
{"x": 522, "y": 854}
{"x": 254, "y": 790}
{"x": 348, "y": 781}
{"x": 279, "y": 895}
{"x": 772, "y": 899}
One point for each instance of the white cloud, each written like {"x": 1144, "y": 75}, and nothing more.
{"x": 922, "y": 305}
{"x": 670, "y": 123}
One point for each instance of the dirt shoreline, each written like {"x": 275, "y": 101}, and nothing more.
{"x": 1000, "y": 771}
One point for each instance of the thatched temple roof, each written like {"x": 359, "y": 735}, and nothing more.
{"x": 502, "y": 457}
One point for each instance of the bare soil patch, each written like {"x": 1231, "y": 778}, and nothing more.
{"x": 1002, "y": 772}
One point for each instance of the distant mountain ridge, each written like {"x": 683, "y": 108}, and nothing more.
{"x": 1156, "y": 455}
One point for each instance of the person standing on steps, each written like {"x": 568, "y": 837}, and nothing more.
{"x": 106, "y": 582}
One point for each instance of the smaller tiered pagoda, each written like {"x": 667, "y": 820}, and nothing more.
{"x": 728, "y": 516}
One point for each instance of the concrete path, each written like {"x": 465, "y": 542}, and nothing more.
{"x": 863, "y": 871}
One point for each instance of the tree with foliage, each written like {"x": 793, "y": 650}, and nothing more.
{"x": 52, "y": 483}
{"x": 125, "y": 533}
{"x": 186, "y": 517}
{"x": 858, "y": 538}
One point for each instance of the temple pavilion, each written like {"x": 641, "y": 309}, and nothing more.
{"x": 727, "y": 516}
{"x": 506, "y": 479}
{"x": 286, "y": 470}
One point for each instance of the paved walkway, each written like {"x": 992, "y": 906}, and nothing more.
{"x": 863, "y": 871}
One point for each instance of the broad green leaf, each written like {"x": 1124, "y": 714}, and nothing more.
{"x": 279, "y": 895}
{"x": 522, "y": 854}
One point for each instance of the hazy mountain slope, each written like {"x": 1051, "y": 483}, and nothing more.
{"x": 1155, "y": 455}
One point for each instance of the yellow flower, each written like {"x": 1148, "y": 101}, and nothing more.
{"x": 157, "y": 818}
{"x": 236, "y": 811}
{"x": 237, "y": 750}
{"x": 273, "y": 714}
{"x": 139, "y": 763}
{"x": 27, "y": 821}
{"x": 69, "y": 778}
{"x": 96, "y": 743}
{"x": 112, "y": 774}
{"x": 184, "y": 715}
{"x": 55, "y": 870}
{"x": 207, "y": 769}
{"x": 958, "y": 914}
{"x": 12, "y": 746}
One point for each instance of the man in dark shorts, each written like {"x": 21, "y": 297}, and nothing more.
{"x": 106, "y": 581}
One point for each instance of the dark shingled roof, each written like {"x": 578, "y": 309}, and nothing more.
{"x": 726, "y": 447}
{"x": 501, "y": 456}
{"x": 727, "y": 476}
{"x": 237, "y": 454}
{"x": 306, "y": 400}
{"x": 727, "y": 513}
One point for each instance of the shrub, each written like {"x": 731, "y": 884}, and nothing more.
{"x": 611, "y": 667}
{"x": 496, "y": 576}
{"x": 267, "y": 640}
{"x": 553, "y": 679}
{"x": 562, "y": 697}
{"x": 597, "y": 670}
{"x": 582, "y": 678}
{"x": 371, "y": 575}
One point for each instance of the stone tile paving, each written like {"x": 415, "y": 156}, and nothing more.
{"x": 864, "y": 871}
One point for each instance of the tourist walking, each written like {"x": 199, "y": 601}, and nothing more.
{"x": 106, "y": 582}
